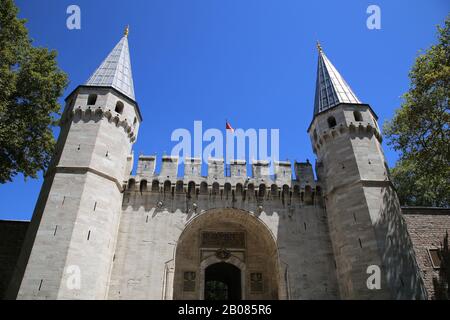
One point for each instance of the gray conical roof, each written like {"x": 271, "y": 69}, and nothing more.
{"x": 331, "y": 88}
{"x": 115, "y": 70}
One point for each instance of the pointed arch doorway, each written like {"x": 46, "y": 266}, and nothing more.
{"x": 227, "y": 254}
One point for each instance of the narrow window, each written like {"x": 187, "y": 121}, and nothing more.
{"x": 256, "y": 282}
{"x": 119, "y": 107}
{"x": 435, "y": 257}
{"x": 92, "y": 99}
{"x": 134, "y": 121}
{"x": 56, "y": 228}
{"x": 89, "y": 235}
{"x": 357, "y": 115}
{"x": 331, "y": 122}
{"x": 189, "y": 281}
{"x": 40, "y": 285}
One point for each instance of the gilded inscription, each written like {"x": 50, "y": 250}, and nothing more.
{"x": 223, "y": 240}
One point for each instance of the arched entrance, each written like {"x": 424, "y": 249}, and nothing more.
{"x": 226, "y": 254}
{"x": 222, "y": 282}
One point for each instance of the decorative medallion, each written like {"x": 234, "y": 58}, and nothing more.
{"x": 223, "y": 254}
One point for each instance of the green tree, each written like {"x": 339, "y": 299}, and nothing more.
{"x": 30, "y": 85}
{"x": 420, "y": 129}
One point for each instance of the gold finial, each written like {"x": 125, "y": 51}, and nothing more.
{"x": 319, "y": 47}
{"x": 127, "y": 30}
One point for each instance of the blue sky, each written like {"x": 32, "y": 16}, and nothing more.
{"x": 252, "y": 62}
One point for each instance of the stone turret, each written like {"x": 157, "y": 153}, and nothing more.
{"x": 366, "y": 225}
{"x": 69, "y": 247}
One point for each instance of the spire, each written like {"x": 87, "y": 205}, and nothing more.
{"x": 115, "y": 70}
{"x": 331, "y": 88}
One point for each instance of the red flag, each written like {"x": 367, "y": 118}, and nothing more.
{"x": 229, "y": 127}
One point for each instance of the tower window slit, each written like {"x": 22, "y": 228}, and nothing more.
{"x": 360, "y": 243}
{"x": 56, "y": 228}
{"x": 119, "y": 107}
{"x": 89, "y": 235}
{"x": 40, "y": 285}
{"x": 331, "y": 122}
{"x": 92, "y": 99}
{"x": 95, "y": 205}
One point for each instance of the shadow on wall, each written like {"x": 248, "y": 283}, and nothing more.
{"x": 441, "y": 283}
{"x": 398, "y": 258}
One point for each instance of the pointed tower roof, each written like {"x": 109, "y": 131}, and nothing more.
{"x": 115, "y": 70}
{"x": 331, "y": 88}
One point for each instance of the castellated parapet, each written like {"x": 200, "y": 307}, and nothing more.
{"x": 229, "y": 181}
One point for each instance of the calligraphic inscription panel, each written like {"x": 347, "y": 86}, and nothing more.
{"x": 212, "y": 239}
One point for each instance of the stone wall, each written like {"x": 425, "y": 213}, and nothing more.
{"x": 427, "y": 227}
{"x": 12, "y": 234}
{"x": 155, "y": 217}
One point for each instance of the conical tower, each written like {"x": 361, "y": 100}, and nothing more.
{"x": 69, "y": 247}
{"x": 373, "y": 252}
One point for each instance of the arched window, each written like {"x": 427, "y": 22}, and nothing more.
{"x": 155, "y": 186}
{"x": 239, "y": 189}
{"x": 215, "y": 188}
{"x": 308, "y": 198}
{"x": 203, "y": 188}
{"x": 262, "y": 190}
{"x": 227, "y": 190}
{"x": 131, "y": 184}
{"x": 143, "y": 186}
{"x": 251, "y": 190}
{"x": 357, "y": 115}
{"x": 274, "y": 190}
{"x": 179, "y": 186}
{"x": 296, "y": 191}
{"x": 167, "y": 186}
{"x": 331, "y": 122}
{"x": 92, "y": 99}
{"x": 119, "y": 107}
{"x": 191, "y": 188}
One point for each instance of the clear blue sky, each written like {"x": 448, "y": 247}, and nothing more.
{"x": 250, "y": 61}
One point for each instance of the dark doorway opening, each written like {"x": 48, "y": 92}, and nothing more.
{"x": 222, "y": 282}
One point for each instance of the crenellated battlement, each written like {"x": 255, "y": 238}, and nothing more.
{"x": 359, "y": 129}
{"x": 222, "y": 178}
{"x": 89, "y": 113}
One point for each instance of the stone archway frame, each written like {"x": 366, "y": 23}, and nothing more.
{"x": 213, "y": 260}
{"x": 282, "y": 285}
